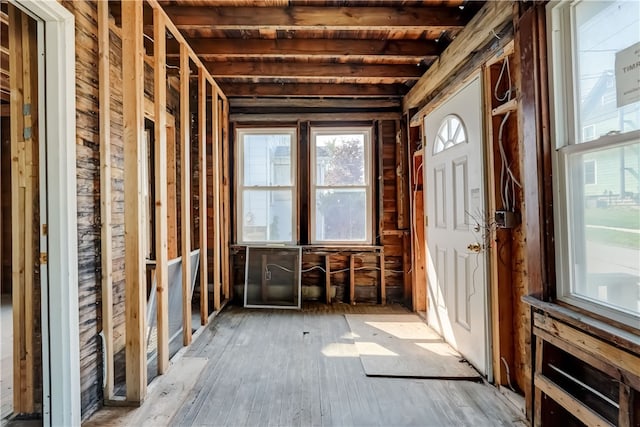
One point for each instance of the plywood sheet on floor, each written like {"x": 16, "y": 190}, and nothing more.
{"x": 402, "y": 345}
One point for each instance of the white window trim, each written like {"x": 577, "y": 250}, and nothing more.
{"x": 60, "y": 326}
{"x": 368, "y": 142}
{"x": 240, "y": 132}
{"x": 565, "y": 132}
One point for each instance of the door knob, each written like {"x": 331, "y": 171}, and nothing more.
{"x": 474, "y": 247}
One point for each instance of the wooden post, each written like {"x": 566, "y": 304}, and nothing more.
{"x": 202, "y": 121}
{"x": 135, "y": 286}
{"x": 215, "y": 130}
{"x": 185, "y": 179}
{"x": 352, "y": 280}
{"x": 327, "y": 278}
{"x": 161, "y": 191}
{"x": 226, "y": 198}
{"x": 105, "y": 193}
{"x": 172, "y": 192}
{"x": 383, "y": 282}
{"x": 23, "y": 173}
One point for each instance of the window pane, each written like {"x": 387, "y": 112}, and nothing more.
{"x": 606, "y": 226}
{"x": 604, "y": 28}
{"x": 341, "y": 214}
{"x": 340, "y": 159}
{"x": 267, "y": 160}
{"x": 267, "y": 216}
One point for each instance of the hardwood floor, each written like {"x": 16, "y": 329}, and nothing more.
{"x": 300, "y": 368}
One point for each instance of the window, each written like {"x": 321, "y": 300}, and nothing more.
{"x": 451, "y": 133}
{"x": 266, "y": 185}
{"x": 590, "y": 172}
{"x": 597, "y": 217}
{"x": 340, "y": 191}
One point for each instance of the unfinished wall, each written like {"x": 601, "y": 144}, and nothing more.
{"x": 391, "y": 231}
{"x": 88, "y": 173}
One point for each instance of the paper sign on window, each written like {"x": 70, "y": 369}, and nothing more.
{"x": 628, "y": 75}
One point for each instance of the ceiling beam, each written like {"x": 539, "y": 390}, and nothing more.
{"x": 208, "y": 47}
{"x": 312, "y": 70}
{"x": 310, "y": 17}
{"x": 322, "y": 103}
{"x": 237, "y": 89}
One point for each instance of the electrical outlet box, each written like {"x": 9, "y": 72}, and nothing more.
{"x": 507, "y": 219}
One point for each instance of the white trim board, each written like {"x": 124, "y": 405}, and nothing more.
{"x": 60, "y": 325}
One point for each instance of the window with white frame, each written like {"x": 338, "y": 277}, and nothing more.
{"x": 340, "y": 192}
{"x": 266, "y": 185}
{"x": 594, "y": 46}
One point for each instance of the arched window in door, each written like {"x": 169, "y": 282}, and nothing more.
{"x": 450, "y": 133}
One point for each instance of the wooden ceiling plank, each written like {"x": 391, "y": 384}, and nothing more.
{"x": 204, "y": 47}
{"x": 236, "y": 89}
{"x": 301, "y": 70}
{"x": 312, "y": 16}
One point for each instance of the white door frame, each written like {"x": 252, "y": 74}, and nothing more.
{"x": 59, "y": 307}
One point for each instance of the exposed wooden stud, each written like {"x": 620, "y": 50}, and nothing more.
{"x": 226, "y": 196}
{"x": 185, "y": 205}
{"x": 23, "y": 173}
{"x": 477, "y": 33}
{"x": 402, "y": 195}
{"x": 406, "y": 266}
{"x": 161, "y": 189}
{"x": 135, "y": 289}
{"x": 419, "y": 277}
{"x": 172, "y": 193}
{"x": 202, "y": 152}
{"x": 383, "y": 281}
{"x": 537, "y": 396}
{"x": 352, "y": 280}
{"x": 327, "y": 278}
{"x": 106, "y": 239}
{"x": 625, "y": 413}
{"x": 217, "y": 168}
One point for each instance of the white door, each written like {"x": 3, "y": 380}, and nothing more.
{"x": 455, "y": 206}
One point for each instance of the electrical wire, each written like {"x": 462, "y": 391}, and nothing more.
{"x": 508, "y": 181}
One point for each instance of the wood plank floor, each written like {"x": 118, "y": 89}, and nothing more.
{"x": 300, "y": 368}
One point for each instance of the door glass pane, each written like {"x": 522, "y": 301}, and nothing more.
{"x": 603, "y": 30}
{"x": 267, "y": 216}
{"x": 341, "y": 214}
{"x": 267, "y": 160}
{"x": 340, "y": 159}
{"x": 606, "y": 226}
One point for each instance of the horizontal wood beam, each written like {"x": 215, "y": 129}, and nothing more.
{"x": 297, "y": 70}
{"x": 210, "y": 47}
{"x": 302, "y": 17}
{"x": 319, "y": 117}
{"x": 371, "y": 103}
{"x": 484, "y": 25}
{"x": 237, "y": 89}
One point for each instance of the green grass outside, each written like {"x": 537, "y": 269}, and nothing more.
{"x": 619, "y": 217}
